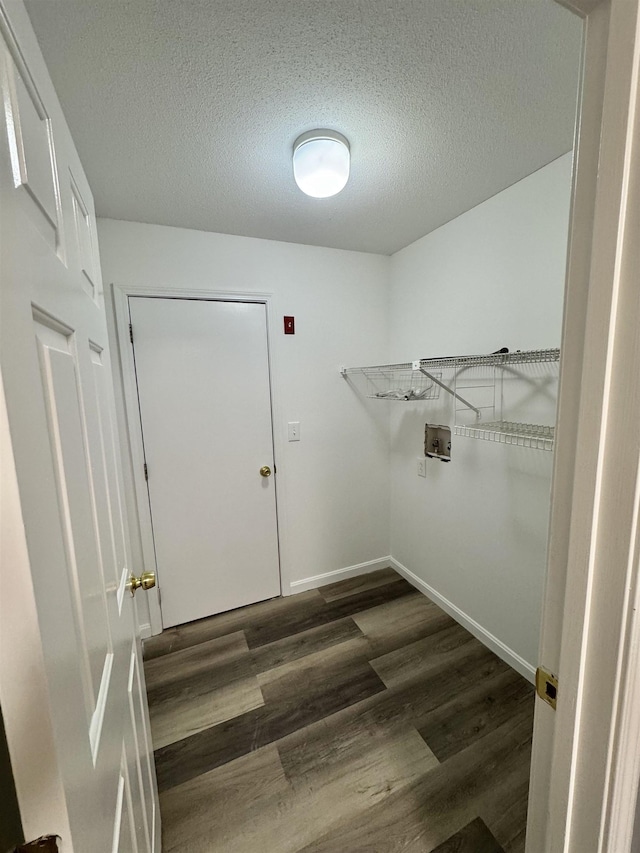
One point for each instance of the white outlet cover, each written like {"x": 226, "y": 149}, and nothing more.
{"x": 294, "y": 430}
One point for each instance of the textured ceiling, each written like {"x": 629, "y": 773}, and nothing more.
{"x": 184, "y": 111}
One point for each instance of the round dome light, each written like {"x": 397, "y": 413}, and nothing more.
{"x": 321, "y": 163}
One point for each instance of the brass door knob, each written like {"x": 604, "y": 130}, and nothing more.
{"x": 147, "y": 580}
{"x": 265, "y": 471}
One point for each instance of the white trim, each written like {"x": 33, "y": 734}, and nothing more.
{"x": 339, "y": 574}
{"x": 97, "y": 719}
{"x": 134, "y": 459}
{"x": 625, "y": 761}
{"x": 583, "y": 199}
{"x": 122, "y": 588}
{"x": 145, "y": 631}
{"x": 585, "y": 764}
{"x": 503, "y": 651}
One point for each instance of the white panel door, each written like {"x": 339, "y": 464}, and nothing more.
{"x": 60, "y": 459}
{"x": 203, "y": 385}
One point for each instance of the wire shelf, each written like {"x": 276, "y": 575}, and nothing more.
{"x": 493, "y": 395}
{"x": 396, "y": 383}
{"x": 509, "y": 432}
{"x": 495, "y": 359}
{"x": 456, "y": 361}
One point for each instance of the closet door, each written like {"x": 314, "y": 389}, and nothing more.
{"x": 71, "y": 682}
{"x": 203, "y": 385}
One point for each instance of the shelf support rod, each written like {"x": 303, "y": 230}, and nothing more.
{"x": 449, "y": 391}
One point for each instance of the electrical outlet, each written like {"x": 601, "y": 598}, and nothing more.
{"x": 422, "y": 466}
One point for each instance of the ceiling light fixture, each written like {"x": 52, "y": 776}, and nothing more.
{"x": 321, "y": 162}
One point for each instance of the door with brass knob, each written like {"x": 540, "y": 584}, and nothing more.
{"x": 208, "y": 443}
{"x": 147, "y": 580}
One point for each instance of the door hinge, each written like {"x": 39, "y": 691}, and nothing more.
{"x": 146, "y": 471}
{"x": 131, "y": 332}
{"x": 547, "y": 687}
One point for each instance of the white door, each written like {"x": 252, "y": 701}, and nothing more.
{"x": 70, "y": 668}
{"x": 202, "y": 369}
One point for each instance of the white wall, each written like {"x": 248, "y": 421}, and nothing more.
{"x": 333, "y": 485}
{"x": 475, "y": 530}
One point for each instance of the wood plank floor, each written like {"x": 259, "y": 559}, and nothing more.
{"x": 355, "y": 718}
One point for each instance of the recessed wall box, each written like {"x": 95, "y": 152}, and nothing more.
{"x": 437, "y": 442}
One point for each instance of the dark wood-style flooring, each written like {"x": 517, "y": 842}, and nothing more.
{"x": 355, "y": 717}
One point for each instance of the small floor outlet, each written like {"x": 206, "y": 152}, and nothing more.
{"x": 422, "y": 466}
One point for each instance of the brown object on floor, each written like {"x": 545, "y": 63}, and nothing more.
{"x": 46, "y": 844}
{"x": 355, "y": 718}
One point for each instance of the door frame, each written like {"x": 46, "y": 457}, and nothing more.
{"x": 143, "y": 523}
{"x": 585, "y": 765}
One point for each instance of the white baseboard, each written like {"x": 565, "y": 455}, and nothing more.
{"x": 339, "y": 574}
{"x": 508, "y": 655}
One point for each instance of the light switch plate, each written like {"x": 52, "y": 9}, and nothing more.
{"x": 294, "y": 430}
